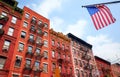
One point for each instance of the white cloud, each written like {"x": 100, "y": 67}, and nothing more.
{"x": 57, "y": 24}
{"x": 77, "y": 29}
{"x": 104, "y": 47}
{"x": 47, "y": 6}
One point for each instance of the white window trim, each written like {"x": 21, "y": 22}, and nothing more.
{"x": 14, "y": 21}
{"x": 26, "y": 75}
{"x": 15, "y": 74}
{"x": 25, "y": 22}
{"x": 47, "y": 42}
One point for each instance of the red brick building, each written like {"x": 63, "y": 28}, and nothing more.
{"x": 83, "y": 59}
{"x": 31, "y": 52}
{"x": 60, "y": 55}
{"x": 116, "y": 69}
{"x": 24, "y": 42}
{"x": 104, "y": 67}
{"x": 10, "y": 18}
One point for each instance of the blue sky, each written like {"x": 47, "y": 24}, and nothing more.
{"x": 68, "y": 16}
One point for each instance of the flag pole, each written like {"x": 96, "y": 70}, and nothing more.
{"x": 102, "y": 3}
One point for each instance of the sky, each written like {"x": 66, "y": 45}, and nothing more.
{"x": 68, "y": 16}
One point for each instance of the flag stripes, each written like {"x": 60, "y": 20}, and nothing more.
{"x": 102, "y": 17}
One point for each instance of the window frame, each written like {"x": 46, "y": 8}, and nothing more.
{"x": 23, "y": 34}
{"x": 2, "y": 63}
{"x": 6, "y": 45}
{"x": 10, "y": 31}
{"x": 14, "y": 20}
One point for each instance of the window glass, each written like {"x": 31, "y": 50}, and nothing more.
{"x": 1, "y": 25}
{"x": 37, "y": 64}
{"x": 25, "y": 24}
{"x": 38, "y": 40}
{"x": 2, "y": 62}
{"x": 45, "y": 67}
{"x": 39, "y": 22}
{"x": 53, "y": 54}
{"x": 28, "y": 62}
{"x": 31, "y": 36}
{"x": 45, "y": 25}
{"x": 3, "y": 14}
{"x": 18, "y": 61}
{"x": 10, "y": 31}
{"x": 27, "y": 15}
{"x": 58, "y": 44}
{"x": 60, "y": 67}
{"x": 14, "y": 75}
{"x": 45, "y": 34}
{"x": 37, "y": 50}
{"x": 14, "y": 20}
{"x": 46, "y": 43}
{"x": 53, "y": 42}
{"x": 21, "y": 46}
{"x": 6, "y": 45}
{"x": 23, "y": 34}
{"x": 45, "y": 54}
{"x": 63, "y": 46}
{"x": 30, "y": 48}
{"x": 53, "y": 66}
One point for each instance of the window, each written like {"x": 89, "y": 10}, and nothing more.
{"x": 74, "y": 51}
{"x": 6, "y": 45}
{"x": 1, "y": 25}
{"x": 77, "y": 73}
{"x": 26, "y": 76}
{"x": 63, "y": 46}
{"x": 59, "y": 55}
{"x": 75, "y": 60}
{"x": 53, "y": 54}
{"x": 33, "y": 20}
{"x": 68, "y": 58}
{"x": 80, "y": 63}
{"x": 39, "y": 22}
{"x": 31, "y": 36}
{"x": 27, "y": 16}
{"x": 53, "y": 66}
{"x": 3, "y": 14}
{"x": 37, "y": 51}
{"x": 23, "y": 34}
{"x": 83, "y": 74}
{"x": 45, "y": 67}
{"x": 53, "y": 42}
{"x": 14, "y": 20}
{"x": 2, "y": 62}
{"x": 58, "y": 44}
{"x": 60, "y": 68}
{"x": 46, "y": 43}
{"x": 32, "y": 28}
{"x": 25, "y": 24}
{"x": 70, "y": 70}
{"x": 45, "y": 34}
{"x": 64, "y": 56}
{"x": 45, "y": 54}
{"x": 37, "y": 64}
{"x": 45, "y": 25}
{"x": 38, "y": 40}
{"x": 39, "y": 31}
{"x": 10, "y": 31}
{"x": 15, "y": 75}
{"x": 18, "y": 61}
{"x": 28, "y": 62}
{"x": 30, "y": 48}
{"x": 21, "y": 46}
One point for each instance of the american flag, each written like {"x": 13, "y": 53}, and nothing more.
{"x": 101, "y": 16}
